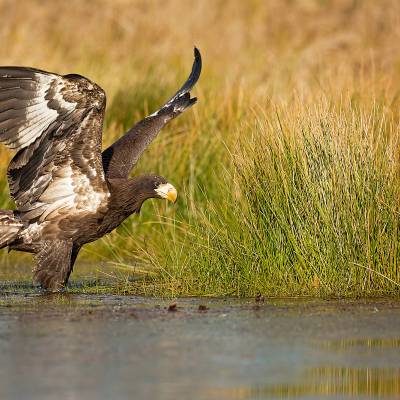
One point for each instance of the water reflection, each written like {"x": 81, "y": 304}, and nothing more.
{"x": 332, "y": 380}
{"x": 326, "y": 381}
{"x": 345, "y": 344}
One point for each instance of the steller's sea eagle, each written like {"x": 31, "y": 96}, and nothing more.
{"x": 67, "y": 192}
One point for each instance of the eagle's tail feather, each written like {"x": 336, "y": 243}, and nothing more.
{"x": 10, "y": 226}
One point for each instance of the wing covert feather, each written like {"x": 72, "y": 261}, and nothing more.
{"x": 54, "y": 123}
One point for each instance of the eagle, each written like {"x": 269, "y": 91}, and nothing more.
{"x": 67, "y": 191}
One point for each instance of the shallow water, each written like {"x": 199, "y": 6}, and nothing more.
{"x": 112, "y": 347}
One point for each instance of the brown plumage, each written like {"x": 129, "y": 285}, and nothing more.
{"x": 67, "y": 192}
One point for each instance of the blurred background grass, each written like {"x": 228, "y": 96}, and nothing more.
{"x": 287, "y": 168}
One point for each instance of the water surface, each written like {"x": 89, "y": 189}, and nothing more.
{"x": 113, "y": 347}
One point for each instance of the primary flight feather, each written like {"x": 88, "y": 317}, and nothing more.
{"x": 67, "y": 192}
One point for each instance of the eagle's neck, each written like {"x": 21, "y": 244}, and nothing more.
{"x": 128, "y": 195}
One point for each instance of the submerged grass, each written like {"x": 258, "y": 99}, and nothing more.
{"x": 287, "y": 168}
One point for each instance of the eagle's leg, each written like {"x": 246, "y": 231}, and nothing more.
{"x": 54, "y": 263}
{"x": 75, "y": 251}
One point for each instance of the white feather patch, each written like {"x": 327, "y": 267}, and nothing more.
{"x": 38, "y": 115}
{"x": 32, "y": 232}
{"x": 71, "y": 192}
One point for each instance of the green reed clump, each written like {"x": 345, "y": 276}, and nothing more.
{"x": 312, "y": 207}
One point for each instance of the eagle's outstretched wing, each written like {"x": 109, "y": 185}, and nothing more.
{"x": 122, "y": 156}
{"x": 54, "y": 123}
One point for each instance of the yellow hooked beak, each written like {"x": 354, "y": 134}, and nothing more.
{"x": 167, "y": 191}
{"x": 172, "y": 195}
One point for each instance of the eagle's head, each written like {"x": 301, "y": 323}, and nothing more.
{"x": 128, "y": 195}
{"x": 158, "y": 187}
{"x": 166, "y": 191}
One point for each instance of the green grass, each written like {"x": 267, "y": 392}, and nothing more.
{"x": 305, "y": 204}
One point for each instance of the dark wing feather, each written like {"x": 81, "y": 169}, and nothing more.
{"x": 54, "y": 123}
{"x": 122, "y": 156}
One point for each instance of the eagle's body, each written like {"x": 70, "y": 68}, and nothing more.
{"x": 67, "y": 192}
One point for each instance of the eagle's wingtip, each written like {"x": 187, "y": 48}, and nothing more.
{"x": 182, "y": 98}
{"x": 196, "y": 69}
{"x": 197, "y": 56}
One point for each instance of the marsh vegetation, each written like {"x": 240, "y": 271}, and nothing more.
{"x": 288, "y": 167}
